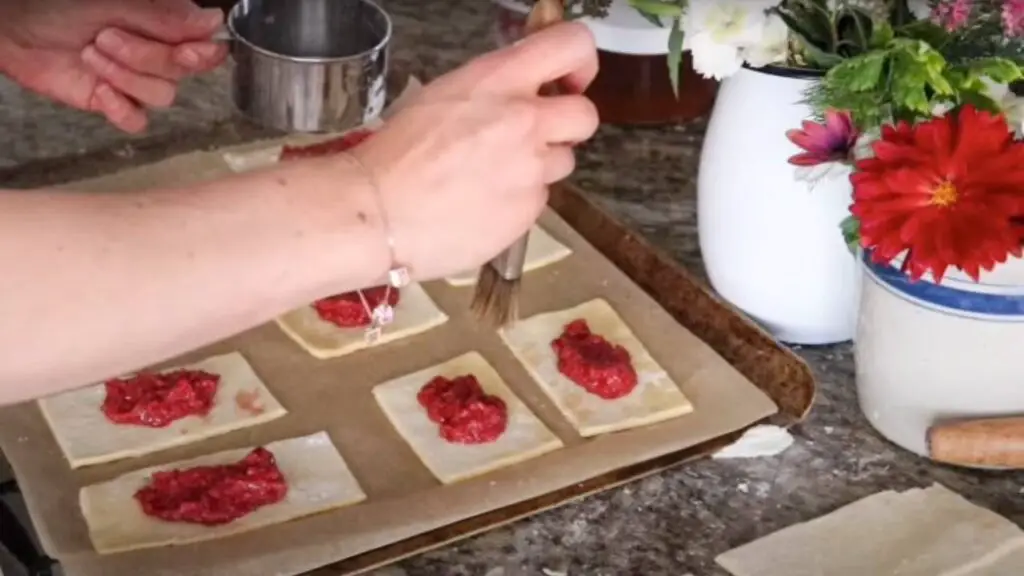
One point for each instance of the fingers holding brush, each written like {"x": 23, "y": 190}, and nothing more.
{"x": 564, "y": 54}
{"x": 559, "y": 163}
{"x": 568, "y": 119}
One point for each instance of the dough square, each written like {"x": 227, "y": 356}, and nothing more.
{"x": 415, "y": 313}
{"x": 929, "y": 532}
{"x": 318, "y": 480}
{"x": 656, "y": 397}
{"x": 526, "y": 436}
{"x": 87, "y": 437}
{"x": 541, "y": 250}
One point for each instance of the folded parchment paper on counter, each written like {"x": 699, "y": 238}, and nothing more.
{"x": 920, "y": 532}
{"x": 404, "y": 499}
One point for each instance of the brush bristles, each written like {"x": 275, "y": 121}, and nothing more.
{"x": 495, "y": 299}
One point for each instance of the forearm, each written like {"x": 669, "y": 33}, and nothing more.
{"x": 100, "y": 284}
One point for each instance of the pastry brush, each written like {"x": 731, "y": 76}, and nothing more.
{"x": 496, "y": 297}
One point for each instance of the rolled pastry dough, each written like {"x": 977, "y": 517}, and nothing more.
{"x": 920, "y": 532}
{"x": 245, "y": 161}
{"x": 318, "y": 480}
{"x": 526, "y": 436}
{"x": 415, "y": 313}
{"x": 656, "y": 397}
{"x": 87, "y": 437}
{"x": 541, "y": 250}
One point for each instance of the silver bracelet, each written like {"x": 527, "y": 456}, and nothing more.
{"x": 398, "y": 274}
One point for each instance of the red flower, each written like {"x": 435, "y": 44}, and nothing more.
{"x": 946, "y": 190}
{"x": 831, "y": 141}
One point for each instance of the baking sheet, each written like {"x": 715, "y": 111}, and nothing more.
{"x": 334, "y": 395}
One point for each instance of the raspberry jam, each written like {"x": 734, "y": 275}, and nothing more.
{"x": 595, "y": 364}
{"x": 464, "y": 413}
{"x": 157, "y": 399}
{"x": 348, "y": 311}
{"x": 213, "y": 495}
{"x": 327, "y": 147}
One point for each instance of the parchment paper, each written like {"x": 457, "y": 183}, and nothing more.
{"x": 404, "y": 499}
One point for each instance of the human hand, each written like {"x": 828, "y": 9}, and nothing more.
{"x": 113, "y": 57}
{"x": 463, "y": 168}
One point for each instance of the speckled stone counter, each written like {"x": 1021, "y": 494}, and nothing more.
{"x": 672, "y": 523}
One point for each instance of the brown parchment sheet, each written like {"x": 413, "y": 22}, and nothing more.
{"x": 404, "y": 499}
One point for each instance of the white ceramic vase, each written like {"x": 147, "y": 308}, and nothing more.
{"x": 770, "y": 242}
{"x": 927, "y": 352}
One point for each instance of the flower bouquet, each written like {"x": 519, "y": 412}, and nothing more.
{"x": 926, "y": 124}
{"x": 893, "y": 74}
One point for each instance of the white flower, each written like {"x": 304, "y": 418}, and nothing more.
{"x": 877, "y": 9}
{"x": 774, "y": 44}
{"x": 863, "y": 147}
{"x": 921, "y": 9}
{"x": 1011, "y": 105}
{"x": 715, "y": 31}
{"x": 816, "y": 174}
{"x": 712, "y": 59}
{"x": 940, "y": 109}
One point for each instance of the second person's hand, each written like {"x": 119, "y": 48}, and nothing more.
{"x": 117, "y": 58}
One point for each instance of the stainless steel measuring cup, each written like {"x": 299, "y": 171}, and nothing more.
{"x": 309, "y": 65}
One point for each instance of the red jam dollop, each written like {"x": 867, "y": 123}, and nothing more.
{"x": 212, "y": 495}
{"x": 157, "y": 399}
{"x": 464, "y": 413}
{"x": 595, "y": 364}
{"x": 348, "y": 311}
{"x": 327, "y": 147}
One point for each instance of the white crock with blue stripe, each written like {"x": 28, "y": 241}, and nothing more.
{"x": 928, "y": 352}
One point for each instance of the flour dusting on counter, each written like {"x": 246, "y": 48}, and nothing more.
{"x": 757, "y": 442}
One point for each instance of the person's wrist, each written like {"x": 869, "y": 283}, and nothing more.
{"x": 399, "y": 269}
{"x": 358, "y": 201}
{"x": 338, "y": 241}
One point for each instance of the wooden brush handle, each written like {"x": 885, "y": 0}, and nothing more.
{"x": 988, "y": 442}
{"x": 545, "y": 13}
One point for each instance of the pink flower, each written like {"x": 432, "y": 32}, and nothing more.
{"x": 1013, "y": 17}
{"x": 952, "y": 14}
{"x": 831, "y": 141}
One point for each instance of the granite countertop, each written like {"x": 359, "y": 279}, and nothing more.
{"x": 671, "y": 523}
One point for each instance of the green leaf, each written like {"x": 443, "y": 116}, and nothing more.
{"x": 933, "y": 65}
{"x": 908, "y": 84}
{"x": 810, "y": 24}
{"x": 901, "y": 13}
{"x": 981, "y": 100}
{"x": 817, "y": 56}
{"x": 882, "y": 35}
{"x": 854, "y": 28}
{"x": 815, "y": 50}
{"x": 850, "y": 227}
{"x": 861, "y": 73}
{"x": 656, "y": 20}
{"x": 927, "y": 32}
{"x": 1000, "y": 70}
{"x": 657, "y": 8}
{"x": 675, "y": 55}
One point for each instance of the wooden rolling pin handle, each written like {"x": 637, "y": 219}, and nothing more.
{"x": 988, "y": 442}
